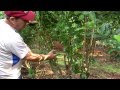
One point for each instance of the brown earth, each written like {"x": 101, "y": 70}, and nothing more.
{"x": 45, "y": 72}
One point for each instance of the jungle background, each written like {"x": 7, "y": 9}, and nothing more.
{"x": 87, "y": 45}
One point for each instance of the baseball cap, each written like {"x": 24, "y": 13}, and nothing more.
{"x": 25, "y": 15}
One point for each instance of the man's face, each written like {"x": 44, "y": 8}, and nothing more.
{"x": 20, "y": 24}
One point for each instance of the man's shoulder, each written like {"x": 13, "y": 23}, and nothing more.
{"x": 7, "y": 29}
{"x": 3, "y": 24}
{"x": 2, "y": 20}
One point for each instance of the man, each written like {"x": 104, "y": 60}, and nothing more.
{"x": 12, "y": 47}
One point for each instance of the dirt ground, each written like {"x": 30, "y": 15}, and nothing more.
{"x": 98, "y": 73}
{"x": 45, "y": 72}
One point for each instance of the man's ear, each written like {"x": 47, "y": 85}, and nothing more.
{"x": 12, "y": 18}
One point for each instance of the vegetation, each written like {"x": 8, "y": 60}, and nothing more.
{"x": 79, "y": 32}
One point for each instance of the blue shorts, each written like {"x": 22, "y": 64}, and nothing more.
{"x": 20, "y": 77}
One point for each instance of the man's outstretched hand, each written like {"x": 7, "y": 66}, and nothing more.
{"x": 50, "y": 56}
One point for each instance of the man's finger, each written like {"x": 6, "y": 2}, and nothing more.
{"x": 52, "y": 51}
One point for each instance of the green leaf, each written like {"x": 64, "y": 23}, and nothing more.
{"x": 75, "y": 67}
{"x": 76, "y": 12}
{"x": 92, "y": 16}
{"x": 90, "y": 24}
{"x": 74, "y": 25}
{"x": 84, "y": 75}
{"x": 31, "y": 73}
{"x": 117, "y": 37}
{"x": 81, "y": 17}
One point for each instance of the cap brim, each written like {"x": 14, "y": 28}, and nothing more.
{"x": 33, "y": 22}
{"x": 29, "y": 17}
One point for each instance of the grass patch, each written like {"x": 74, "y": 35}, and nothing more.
{"x": 107, "y": 67}
{"x": 111, "y": 68}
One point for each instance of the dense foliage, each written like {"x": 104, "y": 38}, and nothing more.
{"x": 78, "y": 31}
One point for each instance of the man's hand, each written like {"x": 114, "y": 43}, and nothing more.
{"x": 51, "y": 55}
{"x": 36, "y": 57}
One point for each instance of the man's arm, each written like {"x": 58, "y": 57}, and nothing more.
{"x": 36, "y": 57}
